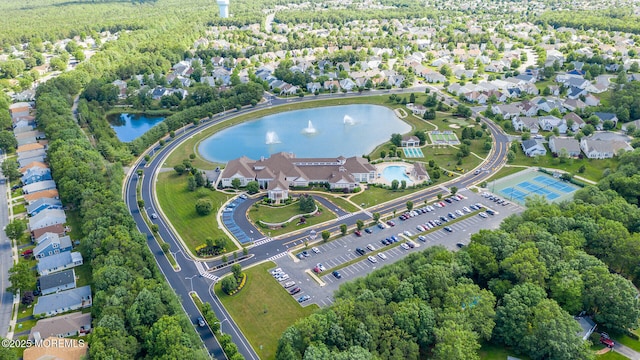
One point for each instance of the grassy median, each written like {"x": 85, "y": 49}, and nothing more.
{"x": 178, "y": 204}
{"x": 263, "y": 309}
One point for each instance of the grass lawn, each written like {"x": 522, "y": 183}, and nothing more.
{"x": 178, "y": 204}
{"x": 611, "y": 355}
{"x": 497, "y": 352}
{"x": 505, "y": 171}
{"x": 73, "y": 220}
{"x": 346, "y": 205}
{"x": 593, "y": 167}
{"x": 20, "y": 208}
{"x": 325, "y": 215}
{"x": 628, "y": 341}
{"x": 263, "y": 309}
{"x": 83, "y": 273}
{"x": 375, "y": 195}
{"x": 25, "y": 311}
{"x": 274, "y": 214}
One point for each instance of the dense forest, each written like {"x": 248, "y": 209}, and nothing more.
{"x": 518, "y": 286}
{"x": 610, "y": 20}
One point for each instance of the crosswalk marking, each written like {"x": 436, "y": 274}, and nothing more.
{"x": 344, "y": 217}
{"x": 204, "y": 273}
{"x": 262, "y": 241}
{"x": 277, "y": 256}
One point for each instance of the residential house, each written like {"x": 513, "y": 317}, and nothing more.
{"x": 591, "y": 100}
{"x": 53, "y": 193}
{"x": 122, "y": 88}
{"x": 576, "y": 82}
{"x": 417, "y": 109}
{"x": 68, "y": 349}
{"x": 409, "y": 141}
{"x": 605, "y": 116}
{"x": 507, "y": 111}
{"x": 313, "y": 87}
{"x": 433, "y": 77}
{"x": 54, "y": 304}
{"x": 222, "y": 75}
{"x": 532, "y": 148}
{"x": 47, "y": 218}
{"x": 347, "y": 84}
{"x": 39, "y": 186}
{"x": 566, "y": 145}
{"x": 573, "y": 104}
{"x": 56, "y": 282}
{"x": 528, "y": 108}
{"x": 525, "y": 123}
{"x": 59, "y": 262}
{"x": 35, "y": 174}
{"x": 288, "y": 89}
{"x": 599, "y": 149}
{"x": 50, "y": 244}
{"x": 587, "y": 327}
{"x": 547, "y": 105}
{"x": 575, "y": 93}
{"x": 331, "y": 85}
{"x": 550, "y": 122}
{"x": 62, "y": 326}
{"x": 38, "y": 205}
{"x": 19, "y": 109}
{"x": 635, "y": 124}
{"x": 57, "y": 229}
{"x": 574, "y": 121}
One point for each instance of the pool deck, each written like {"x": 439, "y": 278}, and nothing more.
{"x": 382, "y": 180}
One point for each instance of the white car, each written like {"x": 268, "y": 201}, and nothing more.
{"x": 459, "y": 212}
{"x": 289, "y": 284}
{"x": 371, "y": 247}
{"x": 372, "y": 259}
{"x": 404, "y": 246}
{"x": 315, "y": 250}
{"x": 483, "y": 215}
{"x": 154, "y": 216}
{"x": 466, "y": 209}
{"x": 276, "y": 271}
{"x": 283, "y": 277}
{"x": 407, "y": 233}
{"x": 382, "y": 256}
{"x": 321, "y": 267}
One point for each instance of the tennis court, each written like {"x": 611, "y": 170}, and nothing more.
{"x": 519, "y": 186}
{"x": 444, "y": 137}
{"x": 412, "y": 152}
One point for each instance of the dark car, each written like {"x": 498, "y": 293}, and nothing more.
{"x": 201, "y": 322}
{"x": 491, "y": 212}
{"x": 448, "y": 200}
{"x": 448, "y": 229}
{"x": 606, "y": 340}
{"x": 460, "y": 245}
{"x": 381, "y": 225}
{"x": 368, "y": 231}
{"x": 384, "y": 242}
{"x": 451, "y": 215}
{"x": 443, "y": 219}
{"x": 360, "y": 251}
{"x": 337, "y": 274}
{"x": 295, "y": 290}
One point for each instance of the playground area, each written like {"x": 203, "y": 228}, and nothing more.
{"x": 412, "y": 152}
{"x": 519, "y": 186}
{"x": 444, "y": 138}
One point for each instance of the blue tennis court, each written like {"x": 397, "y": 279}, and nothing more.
{"x": 536, "y": 189}
{"x": 412, "y": 152}
{"x": 514, "y": 194}
{"x": 565, "y": 188}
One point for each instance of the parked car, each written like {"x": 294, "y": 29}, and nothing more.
{"x": 391, "y": 223}
{"x": 606, "y": 340}
{"x": 358, "y": 233}
{"x": 410, "y": 244}
{"x": 491, "y": 212}
{"x": 372, "y": 259}
{"x": 382, "y": 256}
{"x": 289, "y": 284}
{"x": 368, "y": 231}
{"x": 321, "y": 267}
{"x": 361, "y": 251}
{"x": 303, "y": 298}
{"x": 460, "y": 213}
{"x": 422, "y": 238}
{"x": 371, "y": 247}
{"x": 405, "y": 246}
{"x": 315, "y": 250}
{"x": 448, "y": 229}
{"x": 407, "y": 233}
{"x": 381, "y": 225}
{"x": 295, "y": 290}
{"x": 337, "y": 274}
{"x": 483, "y": 215}
{"x": 460, "y": 245}
{"x": 283, "y": 277}
{"x": 276, "y": 271}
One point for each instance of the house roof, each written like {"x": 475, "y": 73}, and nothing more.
{"x": 46, "y": 216}
{"x": 61, "y": 300}
{"x": 57, "y": 279}
{"x": 74, "y": 351}
{"x": 39, "y": 186}
{"x": 64, "y": 241}
{"x": 34, "y": 164}
{"x": 604, "y": 116}
{"x": 52, "y": 262}
{"x": 42, "y": 201}
{"x": 570, "y": 144}
{"x": 528, "y": 144}
{"x": 29, "y": 147}
{"x": 52, "y": 193}
{"x": 62, "y": 324}
{"x": 54, "y": 229}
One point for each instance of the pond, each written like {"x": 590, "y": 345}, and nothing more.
{"x": 129, "y": 127}
{"x": 348, "y": 130}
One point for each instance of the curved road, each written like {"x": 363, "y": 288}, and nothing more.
{"x": 190, "y": 276}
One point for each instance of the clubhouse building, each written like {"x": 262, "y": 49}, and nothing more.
{"x": 283, "y": 170}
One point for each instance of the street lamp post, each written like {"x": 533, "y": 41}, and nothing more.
{"x": 224, "y": 110}
{"x": 220, "y": 323}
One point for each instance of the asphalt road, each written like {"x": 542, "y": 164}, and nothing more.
{"x": 188, "y": 277}
{"x": 6, "y": 302}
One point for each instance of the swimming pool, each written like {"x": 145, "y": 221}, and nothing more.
{"x": 396, "y": 173}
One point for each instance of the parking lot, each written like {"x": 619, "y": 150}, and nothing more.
{"x": 343, "y": 250}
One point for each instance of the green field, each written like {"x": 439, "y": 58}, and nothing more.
{"x": 345, "y": 204}
{"x": 263, "y": 309}
{"x": 178, "y": 204}
{"x": 83, "y": 274}
{"x": 375, "y": 196}
{"x": 325, "y": 215}
{"x": 274, "y": 214}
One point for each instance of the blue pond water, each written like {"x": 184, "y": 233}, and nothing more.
{"x": 396, "y": 173}
{"x": 128, "y": 127}
{"x": 349, "y": 130}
